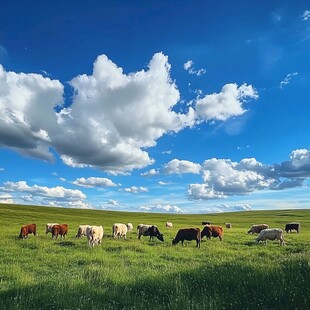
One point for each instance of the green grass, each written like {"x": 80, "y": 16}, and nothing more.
{"x": 41, "y": 273}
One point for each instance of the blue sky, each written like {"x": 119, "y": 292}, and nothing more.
{"x": 159, "y": 106}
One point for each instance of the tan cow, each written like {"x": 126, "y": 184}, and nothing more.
{"x": 169, "y": 225}
{"x": 119, "y": 230}
{"x": 94, "y": 235}
{"x": 256, "y": 229}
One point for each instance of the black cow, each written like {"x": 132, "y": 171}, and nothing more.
{"x": 205, "y": 223}
{"x": 292, "y": 226}
{"x": 187, "y": 234}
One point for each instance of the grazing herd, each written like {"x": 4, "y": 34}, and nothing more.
{"x": 95, "y": 234}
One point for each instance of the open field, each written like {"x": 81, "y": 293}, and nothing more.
{"x": 41, "y": 273}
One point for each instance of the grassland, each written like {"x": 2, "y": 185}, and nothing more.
{"x": 41, "y": 273}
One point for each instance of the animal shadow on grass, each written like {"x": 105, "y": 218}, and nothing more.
{"x": 250, "y": 243}
{"x": 66, "y": 243}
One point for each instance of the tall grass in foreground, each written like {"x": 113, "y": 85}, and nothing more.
{"x": 39, "y": 273}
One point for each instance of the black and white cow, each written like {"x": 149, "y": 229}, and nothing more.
{"x": 149, "y": 230}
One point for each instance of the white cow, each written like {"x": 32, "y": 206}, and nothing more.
{"x": 169, "y": 225}
{"x": 49, "y": 227}
{"x": 129, "y": 226}
{"x": 94, "y": 235}
{"x": 271, "y": 234}
{"x": 119, "y": 230}
{"x": 82, "y": 231}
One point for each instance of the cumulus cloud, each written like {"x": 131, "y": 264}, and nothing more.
{"x": 161, "y": 209}
{"x": 135, "y": 189}
{"x": 150, "y": 173}
{"x": 306, "y": 15}
{"x": 223, "y": 178}
{"x": 112, "y": 202}
{"x": 177, "y": 166}
{"x": 24, "y": 100}
{"x": 189, "y": 67}
{"x": 118, "y": 115}
{"x": 93, "y": 182}
{"x": 226, "y": 104}
{"x": 287, "y": 79}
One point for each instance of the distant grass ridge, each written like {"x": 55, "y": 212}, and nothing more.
{"x": 41, "y": 273}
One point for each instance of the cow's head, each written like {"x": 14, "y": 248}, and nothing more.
{"x": 160, "y": 237}
{"x": 174, "y": 242}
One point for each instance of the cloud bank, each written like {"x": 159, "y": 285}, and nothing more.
{"x": 224, "y": 178}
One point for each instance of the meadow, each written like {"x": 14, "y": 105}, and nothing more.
{"x": 41, "y": 273}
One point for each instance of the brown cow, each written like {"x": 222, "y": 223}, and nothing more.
{"x": 61, "y": 229}
{"x": 187, "y": 234}
{"x": 28, "y": 229}
{"x": 212, "y": 231}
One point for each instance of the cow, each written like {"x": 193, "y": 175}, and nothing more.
{"x": 94, "y": 235}
{"x": 270, "y": 234}
{"x": 149, "y": 230}
{"x": 205, "y": 223}
{"x": 212, "y": 231}
{"x": 169, "y": 225}
{"x": 48, "y": 228}
{"x": 119, "y": 230}
{"x": 256, "y": 229}
{"x": 61, "y": 229}
{"x": 187, "y": 234}
{"x": 228, "y": 225}
{"x": 82, "y": 231}
{"x": 129, "y": 226}
{"x": 292, "y": 226}
{"x": 25, "y": 230}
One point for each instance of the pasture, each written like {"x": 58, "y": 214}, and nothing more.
{"x": 41, "y": 273}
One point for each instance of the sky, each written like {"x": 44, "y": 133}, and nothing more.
{"x": 155, "y": 106}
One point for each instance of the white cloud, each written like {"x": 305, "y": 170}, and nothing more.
{"x": 150, "y": 173}
{"x": 177, "y": 166}
{"x": 58, "y": 192}
{"x": 189, "y": 67}
{"x": 223, "y": 178}
{"x": 226, "y": 104}
{"x": 164, "y": 183}
{"x": 225, "y": 208}
{"x": 306, "y": 15}
{"x": 112, "y": 202}
{"x": 93, "y": 182}
{"x": 167, "y": 152}
{"x": 6, "y": 198}
{"x": 161, "y": 208}
{"x": 24, "y": 99}
{"x": 135, "y": 189}
{"x": 116, "y": 115}
{"x": 287, "y": 79}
